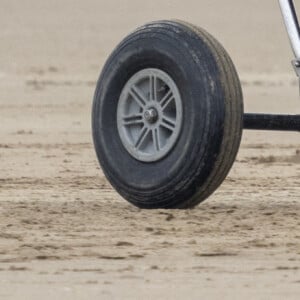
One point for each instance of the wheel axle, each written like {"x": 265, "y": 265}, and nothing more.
{"x": 272, "y": 122}
{"x": 151, "y": 115}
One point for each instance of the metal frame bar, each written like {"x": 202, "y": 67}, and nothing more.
{"x": 272, "y": 122}
{"x": 281, "y": 122}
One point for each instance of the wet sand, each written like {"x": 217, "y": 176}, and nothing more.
{"x": 66, "y": 234}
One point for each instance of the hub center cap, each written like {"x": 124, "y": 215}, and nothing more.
{"x": 151, "y": 115}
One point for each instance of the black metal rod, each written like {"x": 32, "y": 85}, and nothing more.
{"x": 272, "y": 122}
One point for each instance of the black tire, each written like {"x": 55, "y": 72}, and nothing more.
{"x": 212, "y": 116}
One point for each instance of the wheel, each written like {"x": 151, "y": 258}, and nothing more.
{"x": 167, "y": 116}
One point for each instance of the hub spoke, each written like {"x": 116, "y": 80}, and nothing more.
{"x": 168, "y": 123}
{"x": 167, "y": 99}
{"x": 138, "y": 96}
{"x": 142, "y": 137}
{"x": 155, "y": 137}
{"x": 133, "y": 120}
{"x": 153, "y": 88}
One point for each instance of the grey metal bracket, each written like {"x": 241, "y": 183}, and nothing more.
{"x": 296, "y": 65}
{"x": 292, "y": 26}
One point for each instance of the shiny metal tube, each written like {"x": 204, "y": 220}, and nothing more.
{"x": 292, "y": 25}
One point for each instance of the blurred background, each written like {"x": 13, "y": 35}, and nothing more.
{"x": 78, "y": 35}
{"x": 43, "y": 42}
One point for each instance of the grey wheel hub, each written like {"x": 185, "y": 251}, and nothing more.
{"x": 149, "y": 115}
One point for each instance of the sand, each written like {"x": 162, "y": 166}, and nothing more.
{"x": 66, "y": 234}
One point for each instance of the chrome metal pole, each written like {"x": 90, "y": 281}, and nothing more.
{"x": 291, "y": 24}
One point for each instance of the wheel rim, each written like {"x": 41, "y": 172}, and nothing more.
{"x": 149, "y": 115}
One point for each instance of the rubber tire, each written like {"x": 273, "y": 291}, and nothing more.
{"x": 212, "y": 116}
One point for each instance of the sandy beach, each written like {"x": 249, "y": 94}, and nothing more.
{"x": 66, "y": 234}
